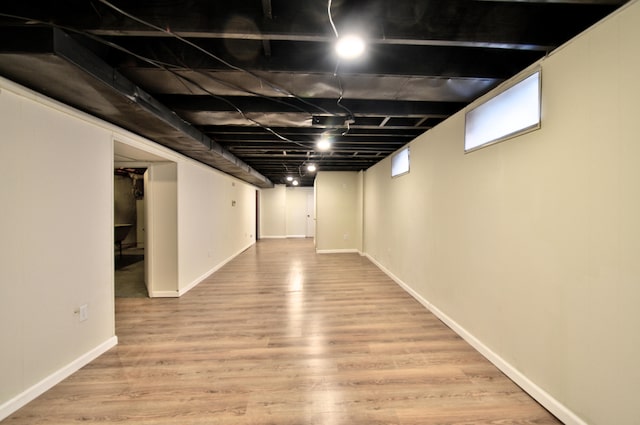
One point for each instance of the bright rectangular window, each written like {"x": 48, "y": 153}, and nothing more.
{"x": 400, "y": 163}
{"x": 514, "y": 111}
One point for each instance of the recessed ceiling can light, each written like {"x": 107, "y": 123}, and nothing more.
{"x": 311, "y": 168}
{"x": 350, "y": 47}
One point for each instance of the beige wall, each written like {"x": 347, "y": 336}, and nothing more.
{"x": 56, "y": 186}
{"x": 337, "y": 206}
{"x": 162, "y": 228}
{"x": 273, "y": 212}
{"x": 529, "y": 248}
{"x": 216, "y": 221}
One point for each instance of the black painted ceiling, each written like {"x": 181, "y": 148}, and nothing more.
{"x": 248, "y": 86}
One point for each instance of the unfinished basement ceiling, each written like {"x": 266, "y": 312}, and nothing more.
{"x": 249, "y": 86}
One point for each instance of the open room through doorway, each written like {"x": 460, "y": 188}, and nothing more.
{"x": 129, "y": 232}
{"x": 145, "y": 212}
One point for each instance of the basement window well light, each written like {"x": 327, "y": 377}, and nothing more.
{"x": 400, "y": 163}
{"x": 510, "y": 113}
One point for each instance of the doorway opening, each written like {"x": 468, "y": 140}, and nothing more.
{"x": 129, "y": 232}
{"x": 149, "y": 238}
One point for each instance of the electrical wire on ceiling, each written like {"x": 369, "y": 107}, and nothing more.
{"x": 168, "y": 68}
{"x": 211, "y": 55}
{"x": 242, "y": 113}
{"x": 171, "y": 68}
{"x": 350, "y": 116}
{"x": 335, "y": 30}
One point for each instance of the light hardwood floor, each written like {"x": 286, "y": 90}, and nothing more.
{"x": 283, "y": 336}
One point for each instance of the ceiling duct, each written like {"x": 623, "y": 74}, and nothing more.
{"x": 86, "y": 82}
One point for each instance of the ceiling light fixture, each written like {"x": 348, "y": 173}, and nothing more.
{"x": 350, "y": 47}
{"x": 295, "y": 182}
{"x": 311, "y": 168}
{"x": 324, "y": 144}
{"x": 289, "y": 178}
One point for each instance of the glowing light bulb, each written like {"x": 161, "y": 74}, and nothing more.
{"x": 311, "y": 168}
{"x": 295, "y": 182}
{"x": 323, "y": 144}
{"x": 350, "y": 47}
{"x": 289, "y": 178}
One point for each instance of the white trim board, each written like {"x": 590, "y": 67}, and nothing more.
{"x": 337, "y": 251}
{"x": 56, "y": 377}
{"x": 541, "y": 396}
{"x": 164, "y": 294}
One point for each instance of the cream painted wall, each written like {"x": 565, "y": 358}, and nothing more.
{"x": 217, "y": 219}
{"x": 337, "y": 206}
{"x": 273, "y": 212}
{"x": 359, "y": 230}
{"x": 56, "y": 186}
{"x": 162, "y": 226}
{"x": 529, "y": 247}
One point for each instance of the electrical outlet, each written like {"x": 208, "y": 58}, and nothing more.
{"x": 84, "y": 312}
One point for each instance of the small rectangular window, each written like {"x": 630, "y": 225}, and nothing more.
{"x": 514, "y": 111}
{"x": 400, "y": 163}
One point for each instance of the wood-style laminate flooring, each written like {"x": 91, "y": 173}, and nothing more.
{"x": 283, "y": 336}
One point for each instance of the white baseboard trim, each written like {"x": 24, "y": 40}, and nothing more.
{"x": 164, "y": 294}
{"x": 337, "y": 251}
{"x": 47, "y": 383}
{"x": 211, "y": 271}
{"x": 296, "y": 236}
{"x": 273, "y": 237}
{"x": 541, "y": 396}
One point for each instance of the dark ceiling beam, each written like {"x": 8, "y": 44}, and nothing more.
{"x": 497, "y": 24}
{"x": 326, "y": 39}
{"x": 246, "y": 141}
{"x": 250, "y": 104}
{"x": 312, "y": 132}
{"x": 583, "y": 2}
{"x": 315, "y": 58}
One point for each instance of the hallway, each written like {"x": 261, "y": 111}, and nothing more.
{"x": 281, "y": 335}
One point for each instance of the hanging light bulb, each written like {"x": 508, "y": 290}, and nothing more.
{"x": 311, "y": 168}
{"x": 295, "y": 182}
{"x": 350, "y": 47}
{"x": 289, "y": 178}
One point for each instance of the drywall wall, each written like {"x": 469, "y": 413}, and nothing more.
{"x": 217, "y": 221}
{"x": 273, "y": 212}
{"x": 528, "y": 248}
{"x": 337, "y": 206}
{"x": 162, "y": 227}
{"x": 56, "y": 186}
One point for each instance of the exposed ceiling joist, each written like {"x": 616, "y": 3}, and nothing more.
{"x": 251, "y": 85}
